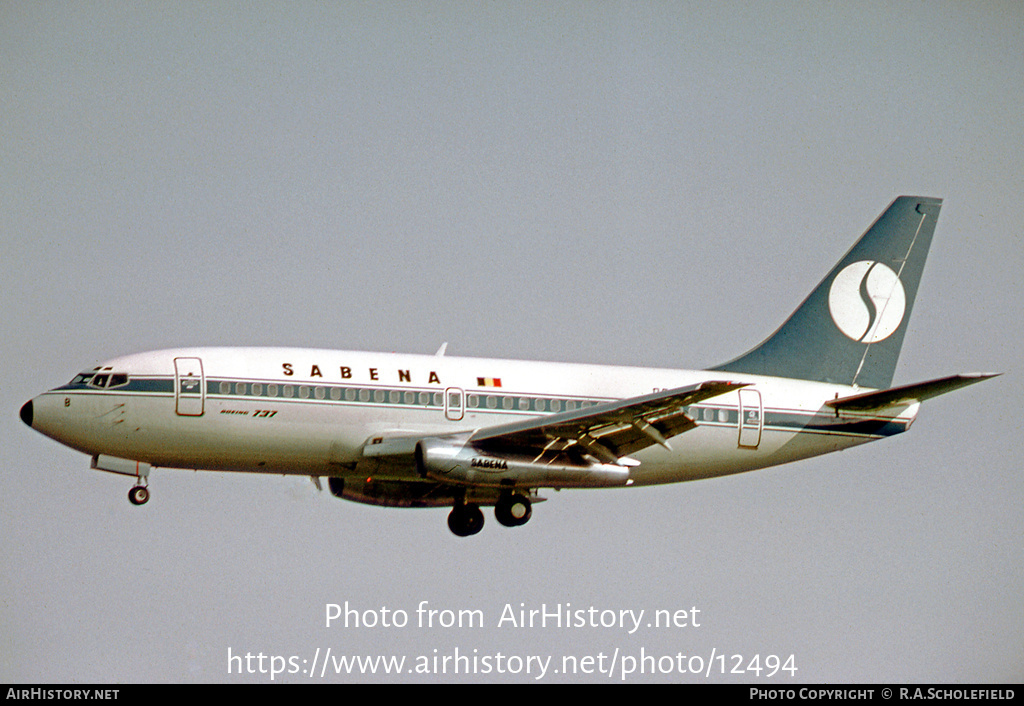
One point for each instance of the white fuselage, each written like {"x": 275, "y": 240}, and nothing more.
{"x": 310, "y": 412}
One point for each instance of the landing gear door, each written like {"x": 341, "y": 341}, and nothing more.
{"x": 751, "y": 419}
{"x": 189, "y": 387}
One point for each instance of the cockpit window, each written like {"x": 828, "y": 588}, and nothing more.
{"x": 101, "y": 380}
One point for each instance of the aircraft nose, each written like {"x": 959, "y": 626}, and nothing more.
{"x": 26, "y": 413}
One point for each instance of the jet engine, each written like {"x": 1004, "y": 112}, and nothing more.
{"x": 388, "y": 493}
{"x": 464, "y": 464}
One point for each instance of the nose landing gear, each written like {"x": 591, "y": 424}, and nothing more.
{"x": 139, "y": 495}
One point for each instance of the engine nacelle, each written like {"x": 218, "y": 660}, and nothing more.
{"x": 387, "y": 493}
{"x": 465, "y": 465}
{"x": 392, "y": 493}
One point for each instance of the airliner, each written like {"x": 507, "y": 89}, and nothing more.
{"x": 421, "y": 431}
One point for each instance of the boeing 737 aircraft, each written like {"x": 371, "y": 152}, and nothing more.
{"x": 432, "y": 431}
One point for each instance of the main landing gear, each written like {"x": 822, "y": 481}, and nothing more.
{"x": 465, "y": 519}
{"x": 512, "y": 510}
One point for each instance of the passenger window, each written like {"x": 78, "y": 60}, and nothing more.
{"x": 257, "y": 389}
{"x": 225, "y": 388}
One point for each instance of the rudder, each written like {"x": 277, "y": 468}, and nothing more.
{"x": 851, "y": 327}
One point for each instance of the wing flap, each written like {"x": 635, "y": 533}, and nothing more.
{"x": 607, "y": 431}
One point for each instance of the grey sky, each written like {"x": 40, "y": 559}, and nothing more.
{"x": 651, "y": 184}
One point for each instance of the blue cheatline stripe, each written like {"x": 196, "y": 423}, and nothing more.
{"x": 828, "y": 423}
{"x": 790, "y": 421}
{"x": 142, "y": 385}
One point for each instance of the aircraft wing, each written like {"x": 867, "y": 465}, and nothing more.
{"x": 608, "y": 431}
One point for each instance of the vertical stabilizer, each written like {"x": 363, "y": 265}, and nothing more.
{"x": 850, "y": 329}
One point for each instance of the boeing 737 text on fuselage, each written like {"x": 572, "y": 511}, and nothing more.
{"x": 442, "y": 431}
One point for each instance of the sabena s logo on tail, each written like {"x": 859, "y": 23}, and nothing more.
{"x": 867, "y": 301}
{"x": 850, "y": 328}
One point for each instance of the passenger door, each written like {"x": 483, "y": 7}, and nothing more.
{"x": 751, "y": 422}
{"x": 189, "y": 387}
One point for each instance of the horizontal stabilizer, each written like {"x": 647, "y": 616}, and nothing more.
{"x": 907, "y": 394}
